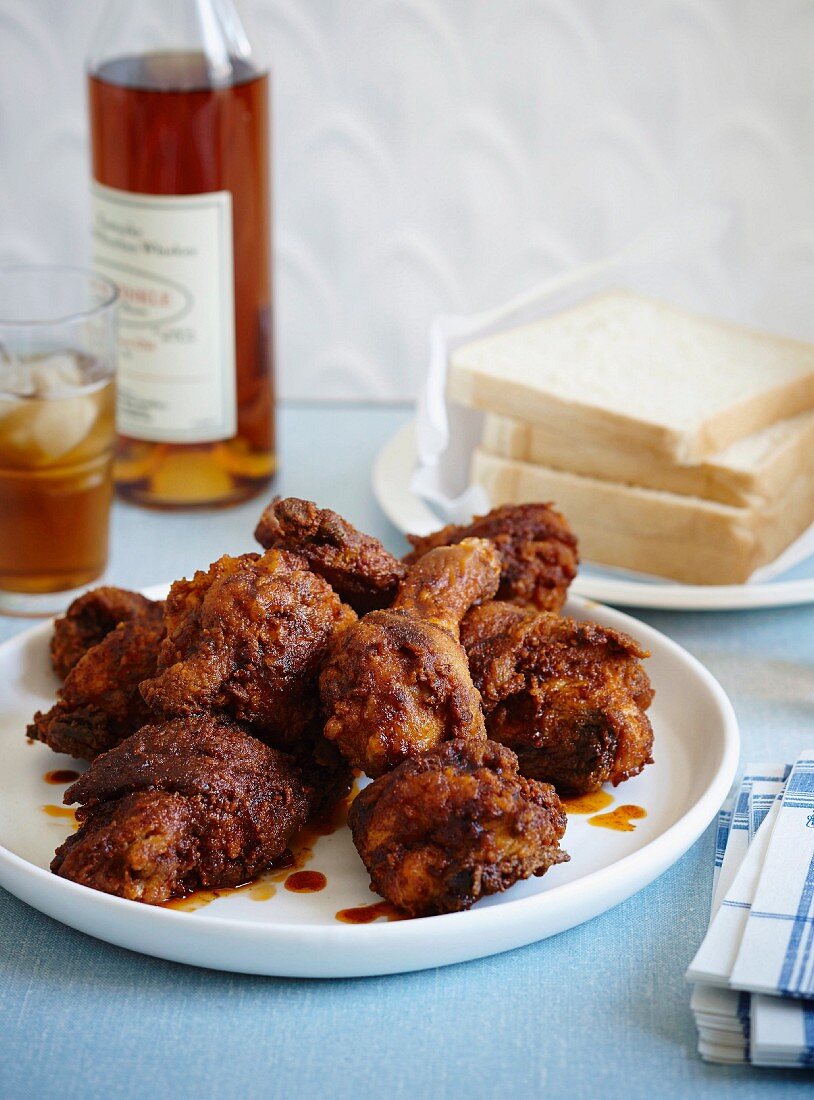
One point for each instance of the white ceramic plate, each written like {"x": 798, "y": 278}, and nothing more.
{"x": 391, "y": 486}
{"x": 298, "y": 935}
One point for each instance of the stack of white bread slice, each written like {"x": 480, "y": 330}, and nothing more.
{"x": 676, "y": 445}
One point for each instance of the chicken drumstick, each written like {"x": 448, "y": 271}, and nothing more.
{"x": 397, "y": 683}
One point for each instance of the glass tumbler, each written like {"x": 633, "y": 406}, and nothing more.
{"x": 57, "y": 434}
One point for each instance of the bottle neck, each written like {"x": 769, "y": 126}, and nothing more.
{"x": 181, "y": 45}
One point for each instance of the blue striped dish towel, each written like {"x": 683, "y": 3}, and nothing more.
{"x": 776, "y": 953}
{"x": 763, "y": 882}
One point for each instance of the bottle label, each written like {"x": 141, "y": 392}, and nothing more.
{"x": 171, "y": 256}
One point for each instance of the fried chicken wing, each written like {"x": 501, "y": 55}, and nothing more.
{"x": 194, "y": 802}
{"x": 537, "y": 547}
{"x": 357, "y": 566}
{"x": 568, "y": 697}
{"x": 397, "y": 683}
{"x": 100, "y": 703}
{"x": 247, "y": 638}
{"x": 93, "y": 615}
{"x": 444, "y": 829}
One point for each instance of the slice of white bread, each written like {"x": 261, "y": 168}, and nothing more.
{"x": 646, "y": 374}
{"x": 751, "y": 472}
{"x": 688, "y": 539}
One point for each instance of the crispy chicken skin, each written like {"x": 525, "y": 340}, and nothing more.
{"x": 444, "y": 829}
{"x": 195, "y": 802}
{"x": 247, "y": 638}
{"x": 568, "y": 697}
{"x": 536, "y": 545}
{"x": 357, "y": 566}
{"x": 100, "y": 703}
{"x": 93, "y": 615}
{"x": 398, "y": 683}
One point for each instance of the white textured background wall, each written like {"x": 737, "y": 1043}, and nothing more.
{"x": 437, "y": 155}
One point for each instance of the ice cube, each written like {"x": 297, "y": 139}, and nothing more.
{"x": 15, "y": 377}
{"x": 56, "y": 373}
{"x": 38, "y": 432}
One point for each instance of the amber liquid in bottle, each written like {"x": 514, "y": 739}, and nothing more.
{"x": 159, "y": 128}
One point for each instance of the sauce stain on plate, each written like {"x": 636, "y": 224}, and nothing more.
{"x": 590, "y": 803}
{"x": 262, "y": 891}
{"x": 306, "y": 882}
{"x": 196, "y": 900}
{"x": 620, "y": 820}
{"x": 61, "y": 775}
{"x": 64, "y": 813}
{"x": 366, "y": 914}
{"x": 256, "y": 890}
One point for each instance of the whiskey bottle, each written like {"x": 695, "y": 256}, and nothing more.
{"x": 181, "y": 221}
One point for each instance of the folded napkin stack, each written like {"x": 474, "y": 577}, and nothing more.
{"x": 753, "y": 999}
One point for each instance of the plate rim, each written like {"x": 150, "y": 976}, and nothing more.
{"x": 399, "y": 450}
{"x": 631, "y": 872}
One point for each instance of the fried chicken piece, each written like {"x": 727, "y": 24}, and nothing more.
{"x": 397, "y": 683}
{"x": 100, "y": 704}
{"x": 537, "y": 547}
{"x": 324, "y": 769}
{"x": 194, "y": 802}
{"x": 444, "y": 829}
{"x": 91, "y": 617}
{"x": 247, "y": 638}
{"x": 568, "y": 697}
{"x": 356, "y": 566}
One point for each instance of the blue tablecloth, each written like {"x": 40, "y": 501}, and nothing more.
{"x": 601, "y": 1010}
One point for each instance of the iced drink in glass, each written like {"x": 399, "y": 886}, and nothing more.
{"x": 57, "y": 436}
